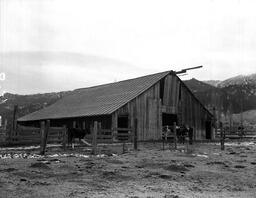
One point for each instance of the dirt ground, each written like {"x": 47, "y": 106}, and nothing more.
{"x": 202, "y": 171}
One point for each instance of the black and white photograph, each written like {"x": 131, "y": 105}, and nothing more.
{"x": 127, "y": 99}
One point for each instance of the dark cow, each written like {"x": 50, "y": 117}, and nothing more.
{"x": 76, "y": 133}
{"x": 182, "y": 133}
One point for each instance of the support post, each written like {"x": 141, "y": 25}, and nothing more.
{"x": 163, "y": 139}
{"x": 135, "y": 140}
{"x": 222, "y": 138}
{"x": 94, "y": 137}
{"x": 14, "y": 121}
{"x": 44, "y": 135}
{"x": 175, "y": 135}
{"x": 5, "y": 124}
{"x": 64, "y": 137}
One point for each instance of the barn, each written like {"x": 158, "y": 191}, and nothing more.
{"x": 154, "y": 101}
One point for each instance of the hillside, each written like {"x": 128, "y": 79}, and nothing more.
{"x": 239, "y": 80}
{"x": 233, "y": 96}
{"x": 26, "y": 103}
{"x": 249, "y": 116}
{"x": 212, "y": 82}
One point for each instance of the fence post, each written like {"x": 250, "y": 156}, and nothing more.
{"x": 44, "y": 134}
{"x": 14, "y": 121}
{"x": 222, "y": 139}
{"x": 135, "y": 134}
{"x": 94, "y": 137}
{"x": 175, "y": 135}
{"x": 64, "y": 137}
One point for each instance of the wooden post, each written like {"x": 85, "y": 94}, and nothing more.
{"x": 94, "y": 137}
{"x": 64, "y": 137}
{"x": 163, "y": 138}
{"x": 83, "y": 125}
{"x": 74, "y": 124}
{"x": 13, "y": 129}
{"x": 222, "y": 138}
{"x": 44, "y": 134}
{"x": 5, "y": 124}
{"x": 175, "y": 135}
{"x": 99, "y": 131}
{"x": 135, "y": 142}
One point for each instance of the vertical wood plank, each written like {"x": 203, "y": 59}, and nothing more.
{"x": 94, "y": 138}
{"x": 135, "y": 134}
{"x": 114, "y": 126}
{"x": 83, "y": 125}
{"x": 64, "y": 138}
{"x": 175, "y": 135}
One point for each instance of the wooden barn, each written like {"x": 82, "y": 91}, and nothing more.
{"x": 154, "y": 101}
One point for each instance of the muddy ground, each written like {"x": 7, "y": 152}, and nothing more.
{"x": 203, "y": 171}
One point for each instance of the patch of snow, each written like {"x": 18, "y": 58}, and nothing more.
{"x": 199, "y": 155}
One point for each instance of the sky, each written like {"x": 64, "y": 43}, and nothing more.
{"x": 56, "y": 45}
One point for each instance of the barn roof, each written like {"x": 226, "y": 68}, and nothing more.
{"x": 98, "y": 100}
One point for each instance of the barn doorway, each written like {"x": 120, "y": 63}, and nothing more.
{"x": 122, "y": 125}
{"x": 208, "y": 132}
{"x": 169, "y": 119}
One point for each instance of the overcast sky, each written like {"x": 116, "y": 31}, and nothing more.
{"x": 53, "y": 45}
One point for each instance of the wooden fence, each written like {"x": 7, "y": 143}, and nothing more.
{"x": 112, "y": 135}
{"x": 237, "y": 134}
{"x": 32, "y": 135}
{"x": 46, "y": 134}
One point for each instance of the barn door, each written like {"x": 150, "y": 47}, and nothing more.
{"x": 208, "y": 130}
{"x": 122, "y": 127}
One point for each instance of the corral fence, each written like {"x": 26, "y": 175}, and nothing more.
{"x": 236, "y": 134}
{"x": 24, "y": 135}
{"x": 114, "y": 135}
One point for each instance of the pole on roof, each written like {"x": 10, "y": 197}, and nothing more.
{"x": 185, "y": 70}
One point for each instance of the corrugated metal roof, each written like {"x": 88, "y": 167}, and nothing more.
{"x": 98, "y": 100}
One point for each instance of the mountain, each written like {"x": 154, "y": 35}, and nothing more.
{"x": 234, "y": 95}
{"x": 199, "y": 86}
{"x": 214, "y": 83}
{"x": 239, "y": 80}
{"x": 26, "y": 103}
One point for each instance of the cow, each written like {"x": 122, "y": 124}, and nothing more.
{"x": 182, "y": 133}
{"x": 76, "y": 133}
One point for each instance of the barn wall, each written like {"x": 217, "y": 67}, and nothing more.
{"x": 149, "y": 106}
{"x": 146, "y": 108}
